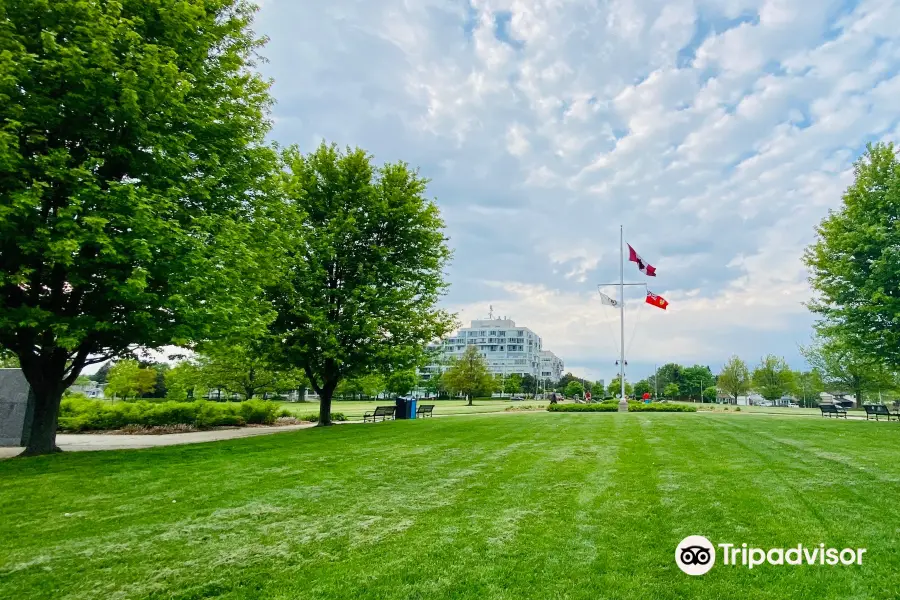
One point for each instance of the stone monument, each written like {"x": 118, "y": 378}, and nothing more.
{"x": 16, "y": 408}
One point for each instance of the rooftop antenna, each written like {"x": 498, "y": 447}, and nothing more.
{"x": 491, "y": 312}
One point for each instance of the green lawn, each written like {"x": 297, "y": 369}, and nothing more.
{"x": 532, "y": 505}
{"x": 354, "y": 410}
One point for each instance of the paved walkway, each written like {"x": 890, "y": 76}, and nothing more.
{"x": 85, "y": 441}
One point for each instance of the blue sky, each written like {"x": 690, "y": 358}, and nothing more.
{"x": 718, "y": 133}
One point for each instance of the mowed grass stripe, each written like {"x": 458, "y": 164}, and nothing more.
{"x": 513, "y": 506}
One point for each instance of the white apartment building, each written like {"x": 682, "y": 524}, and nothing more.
{"x": 551, "y": 366}
{"x": 506, "y": 347}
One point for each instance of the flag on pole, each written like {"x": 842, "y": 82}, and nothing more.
{"x": 646, "y": 269}
{"x": 604, "y": 299}
{"x": 657, "y": 301}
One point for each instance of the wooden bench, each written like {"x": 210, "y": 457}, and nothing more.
{"x": 385, "y": 412}
{"x": 833, "y": 409}
{"x": 425, "y": 410}
{"x": 879, "y": 410}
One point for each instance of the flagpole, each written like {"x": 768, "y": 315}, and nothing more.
{"x": 623, "y": 403}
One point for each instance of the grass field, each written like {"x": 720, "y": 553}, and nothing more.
{"x": 354, "y": 410}
{"x": 532, "y": 505}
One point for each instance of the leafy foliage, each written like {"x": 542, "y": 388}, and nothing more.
{"x": 95, "y": 415}
{"x": 469, "y": 375}
{"x": 847, "y": 369}
{"x": 734, "y": 379}
{"x": 400, "y": 383}
{"x": 855, "y": 260}
{"x": 671, "y": 390}
{"x": 133, "y": 173}
{"x": 642, "y": 387}
{"x": 772, "y": 378}
{"x": 127, "y": 380}
{"x": 364, "y": 272}
{"x": 512, "y": 384}
{"x": 244, "y": 367}
{"x": 184, "y": 381}
{"x": 574, "y": 389}
{"x": 615, "y": 387}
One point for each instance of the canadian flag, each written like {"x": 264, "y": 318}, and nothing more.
{"x": 645, "y": 268}
{"x": 657, "y": 301}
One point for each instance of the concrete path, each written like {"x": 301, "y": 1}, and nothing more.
{"x": 87, "y": 441}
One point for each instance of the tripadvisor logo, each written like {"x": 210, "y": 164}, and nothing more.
{"x": 696, "y": 555}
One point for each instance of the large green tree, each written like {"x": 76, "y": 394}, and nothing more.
{"x": 127, "y": 379}
{"x": 693, "y": 380}
{"x": 844, "y": 366}
{"x": 564, "y": 382}
{"x": 469, "y": 375}
{"x": 734, "y": 378}
{"x": 642, "y": 387}
{"x": 132, "y": 156}
{"x": 666, "y": 374}
{"x": 772, "y": 378}
{"x": 365, "y": 272}
{"x": 512, "y": 384}
{"x": 401, "y": 382}
{"x": 808, "y": 385}
{"x": 855, "y": 261}
{"x": 615, "y": 387}
{"x": 184, "y": 381}
{"x": 574, "y": 388}
{"x": 244, "y": 367}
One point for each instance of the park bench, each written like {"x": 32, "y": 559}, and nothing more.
{"x": 425, "y": 410}
{"x": 385, "y": 412}
{"x": 833, "y": 409}
{"x": 880, "y": 410}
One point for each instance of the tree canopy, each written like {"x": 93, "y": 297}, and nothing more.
{"x": 469, "y": 375}
{"x": 734, "y": 379}
{"x": 772, "y": 378}
{"x": 133, "y": 172}
{"x": 245, "y": 367}
{"x": 848, "y": 369}
{"x": 855, "y": 260}
{"x": 364, "y": 272}
{"x": 127, "y": 379}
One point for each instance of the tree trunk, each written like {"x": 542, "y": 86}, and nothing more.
{"x": 42, "y": 434}
{"x": 325, "y": 395}
{"x": 469, "y": 398}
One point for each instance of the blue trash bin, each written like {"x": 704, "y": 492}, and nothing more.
{"x": 402, "y": 405}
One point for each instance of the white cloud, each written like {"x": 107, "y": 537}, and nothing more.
{"x": 719, "y": 132}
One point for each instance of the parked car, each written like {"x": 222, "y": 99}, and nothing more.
{"x": 794, "y": 405}
{"x": 517, "y": 398}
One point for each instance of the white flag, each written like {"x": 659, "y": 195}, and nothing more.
{"x": 607, "y": 300}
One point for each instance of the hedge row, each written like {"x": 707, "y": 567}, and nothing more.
{"x": 77, "y": 414}
{"x": 614, "y": 406}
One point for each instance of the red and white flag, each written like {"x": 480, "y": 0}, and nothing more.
{"x": 645, "y": 268}
{"x": 657, "y": 301}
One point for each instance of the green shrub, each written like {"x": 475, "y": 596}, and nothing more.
{"x": 313, "y": 417}
{"x": 259, "y": 412}
{"x": 614, "y": 406}
{"x": 79, "y": 414}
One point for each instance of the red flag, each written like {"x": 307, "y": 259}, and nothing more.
{"x": 657, "y": 301}
{"x": 645, "y": 268}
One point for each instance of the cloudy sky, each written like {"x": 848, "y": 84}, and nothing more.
{"x": 717, "y": 132}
